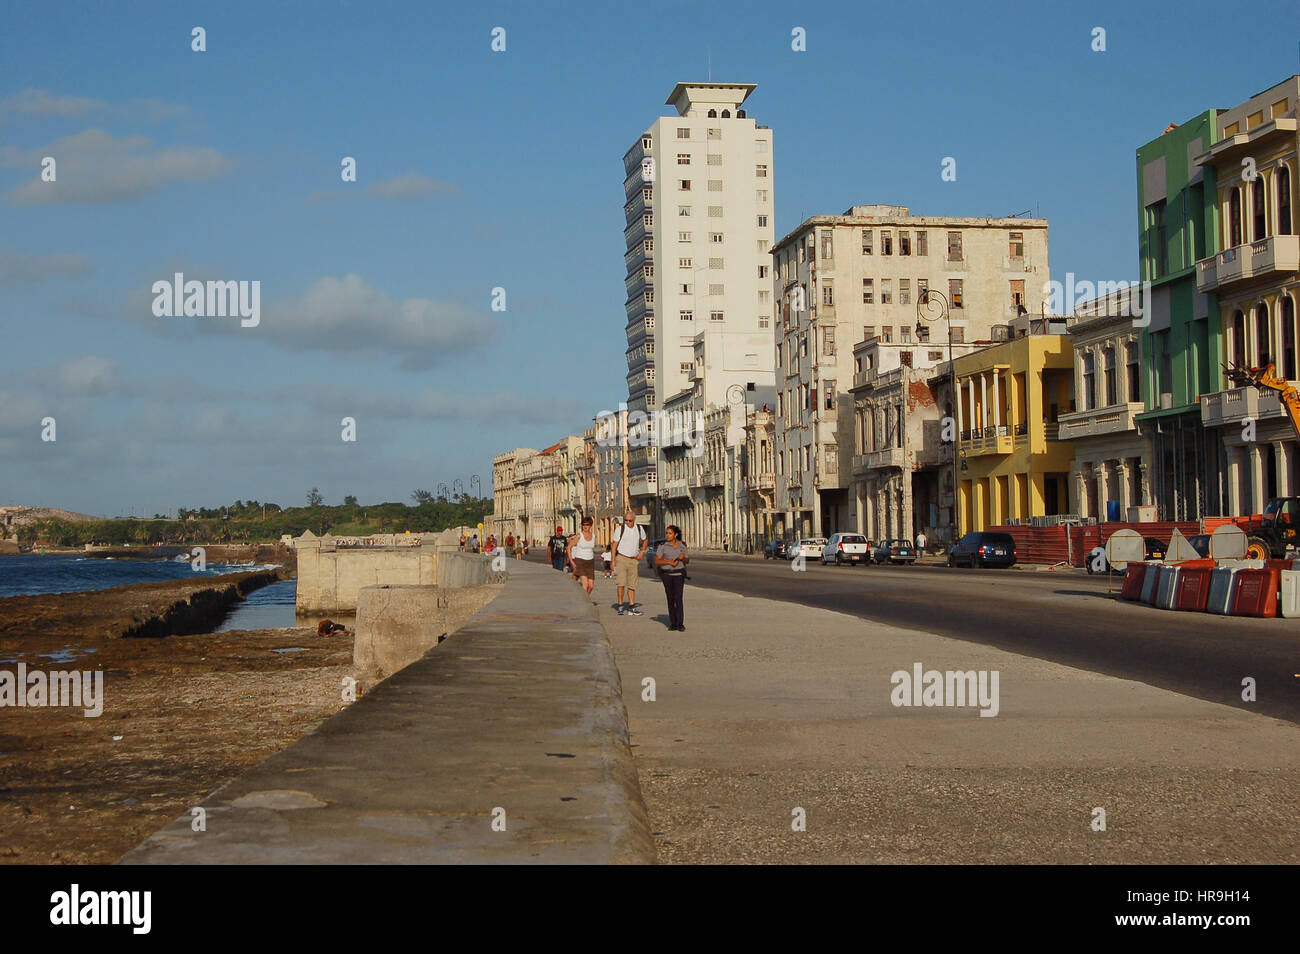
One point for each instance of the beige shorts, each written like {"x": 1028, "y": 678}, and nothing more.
{"x": 625, "y": 571}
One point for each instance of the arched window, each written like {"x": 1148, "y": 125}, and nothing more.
{"x": 1238, "y": 331}
{"x": 1259, "y": 222}
{"x": 1286, "y": 314}
{"x": 1283, "y": 180}
{"x": 1234, "y": 217}
{"x": 1263, "y": 336}
{"x": 713, "y": 114}
{"x": 726, "y": 114}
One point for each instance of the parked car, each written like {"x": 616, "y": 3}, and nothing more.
{"x": 1201, "y": 544}
{"x": 896, "y": 550}
{"x": 846, "y": 548}
{"x": 981, "y": 548}
{"x": 775, "y": 550}
{"x": 650, "y": 553}
{"x": 1155, "y": 549}
{"x": 807, "y": 547}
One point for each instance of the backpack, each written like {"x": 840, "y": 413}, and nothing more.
{"x": 618, "y": 534}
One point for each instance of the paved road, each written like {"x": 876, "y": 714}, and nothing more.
{"x": 1061, "y": 616}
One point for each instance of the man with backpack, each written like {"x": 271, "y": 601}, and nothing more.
{"x": 559, "y": 547}
{"x": 630, "y": 543}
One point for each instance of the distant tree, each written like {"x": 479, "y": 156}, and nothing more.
{"x": 314, "y": 499}
{"x": 421, "y": 497}
{"x": 349, "y": 501}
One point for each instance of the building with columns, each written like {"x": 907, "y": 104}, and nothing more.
{"x": 1111, "y": 457}
{"x": 758, "y": 470}
{"x": 1254, "y": 283}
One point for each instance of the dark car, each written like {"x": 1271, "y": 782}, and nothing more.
{"x": 775, "y": 550}
{"x": 983, "y": 549}
{"x": 1155, "y": 549}
{"x": 651, "y": 551}
{"x": 894, "y": 551}
{"x": 1201, "y": 544}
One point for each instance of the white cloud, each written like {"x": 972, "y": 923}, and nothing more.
{"x": 96, "y": 167}
{"x": 43, "y": 103}
{"x": 88, "y": 374}
{"x": 19, "y": 268}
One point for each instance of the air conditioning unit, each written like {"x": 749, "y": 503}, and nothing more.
{"x": 1166, "y": 400}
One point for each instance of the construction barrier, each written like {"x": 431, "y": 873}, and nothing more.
{"x": 1167, "y": 587}
{"x": 1134, "y": 574}
{"x": 1194, "y": 587}
{"x": 1290, "y": 601}
{"x": 1150, "y": 582}
{"x": 1223, "y": 581}
{"x": 1256, "y": 593}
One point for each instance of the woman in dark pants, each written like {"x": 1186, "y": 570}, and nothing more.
{"x": 671, "y": 559}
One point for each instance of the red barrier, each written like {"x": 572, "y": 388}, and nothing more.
{"x": 1133, "y": 577}
{"x": 1194, "y": 587}
{"x": 1205, "y": 563}
{"x": 1256, "y": 593}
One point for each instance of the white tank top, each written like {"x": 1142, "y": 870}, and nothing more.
{"x": 585, "y": 547}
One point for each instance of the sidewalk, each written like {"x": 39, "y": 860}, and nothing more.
{"x": 520, "y": 710}
{"x": 764, "y": 706}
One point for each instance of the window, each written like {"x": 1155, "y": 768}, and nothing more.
{"x": 1109, "y": 383}
{"x": 886, "y": 291}
{"x": 715, "y": 263}
{"x": 762, "y": 221}
{"x": 904, "y": 291}
{"x": 715, "y": 290}
{"x": 1134, "y": 372}
{"x": 868, "y": 291}
{"x": 686, "y": 315}
{"x": 934, "y": 355}
{"x": 954, "y": 289}
{"x": 763, "y": 246}
{"x": 829, "y": 389}
{"x": 780, "y": 349}
{"x": 715, "y": 211}
{"x": 886, "y": 242}
{"x": 922, "y": 332}
{"x": 866, "y": 241}
{"x": 684, "y": 185}
{"x": 1016, "y": 249}
{"x": 687, "y": 289}
{"x": 1234, "y": 217}
{"x": 954, "y": 246}
{"x": 1258, "y": 218}
{"x": 904, "y": 242}
{"x": 905, "y": 334}
{"x": 887, "y": 334}
{"x": 922, "y": 243}
{"x": 715, "y": 237}
{"x": 686, "y": 368}
{"x": 761, "y": 195}
{"x": 684, "y": 262}
{"x": 1018, "y": 295}
{"x": 828, "y": 341}
{"x": 905, "y": 359}
{"x": 684, "y": 211}
{"x": 683, "y": 236}
{"x": 1089, "y": 383}
{"x": 683, "y": 158}
{"x": 715, "y": 132}
{"x": 760, "y": 171}
{"x": 803, "y": 346}
{"x": 828, "y": 245}
{"x": 958, "y": 334}
{"x": 1157, "y": 246}
{"x": 715, "y": 185}
{"x": 647, "y": 143}
{"x": 922, "y": 286}
{"x": 648, "y": 220}
{"x": 763, "y": 320}
{"x": 828, "y": 294}
{"x": 1283, "y": 200}
{"x": 760, "y": 145}
{"x": 762, "y": 271}
{"x": 868, "y": 332}
{"x": 683, "y": 132}
{"x": 717, "y": 316}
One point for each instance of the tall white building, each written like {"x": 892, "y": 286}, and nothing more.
{"x": 699, "y": 200}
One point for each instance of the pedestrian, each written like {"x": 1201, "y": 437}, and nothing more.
{"x": 671, "y": 559}
{"x": 559, "y": 546}
{"x": 473, "y": 544}
{"x": 629, "y": 549}
{"x": 607, "y": 561}
{"x": 921, "y": 542}
{"x": 582, "y": 554}
{"x": 510, "y": 543}
{"x": 463, "y": 540}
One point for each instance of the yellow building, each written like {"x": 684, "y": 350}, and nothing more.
{"x": 1011, "y": 461}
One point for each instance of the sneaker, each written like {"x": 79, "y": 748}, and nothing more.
{"x": 620, "y": 609}
{"x": 633, "y": 611}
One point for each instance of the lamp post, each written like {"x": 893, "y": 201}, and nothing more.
{"x": 457, "y": 482}
{"x": 442, "y": 492}
{"x": 924, "y": 312}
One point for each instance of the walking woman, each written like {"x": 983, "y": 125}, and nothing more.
{"x": 582, "y": 554}
{"x": 671, "y": 559}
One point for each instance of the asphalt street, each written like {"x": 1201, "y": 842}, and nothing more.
{"x": 1063, "y": 616}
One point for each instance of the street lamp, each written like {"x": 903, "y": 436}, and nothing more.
{"x": 474, "y": 480}
{"x": 442, "y": 492}
{"x": 924, "y": 312}
{"x": 457, "y": 482}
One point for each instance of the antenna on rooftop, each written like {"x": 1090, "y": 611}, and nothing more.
{"x": 709, "y": 52}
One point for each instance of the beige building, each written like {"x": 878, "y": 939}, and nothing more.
{"x": 1111, "y": 457}
{"x": 841, "y": 279}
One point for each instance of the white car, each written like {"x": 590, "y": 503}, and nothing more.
{"x": 807, "y": 547}
{"x": 846, "y": 548}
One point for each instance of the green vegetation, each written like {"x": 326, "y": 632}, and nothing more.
{"x": 252, "y": 522}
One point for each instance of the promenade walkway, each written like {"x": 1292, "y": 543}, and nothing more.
{"x": 505, "y": 744}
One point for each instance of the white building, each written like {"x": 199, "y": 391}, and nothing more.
{"x": 699, "y": 201}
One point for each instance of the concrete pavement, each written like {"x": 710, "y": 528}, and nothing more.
{"x": 516, "y": 719}
{"x": 764, "y": 707}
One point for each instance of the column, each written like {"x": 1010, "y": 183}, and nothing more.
{"x": 1144, "y": 481}
{"x": 1256, "y": 478}
{"x": 1078, "y": 490}
{"x": 1235, "y": 457}
{"x": 984, "y": 401}
{"x": 1125, "y": 487}
{"x": 970, "y": 394}
{"x": 997, "y": 403}
{"x": 1281, "y": 452}
{"x": 1102, "y": 469}
{"x": 956, "y": 403}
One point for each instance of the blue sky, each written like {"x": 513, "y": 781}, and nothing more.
{"x": 476, "y": 170}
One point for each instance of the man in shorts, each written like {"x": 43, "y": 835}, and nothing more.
{"x": 630, "y": 543}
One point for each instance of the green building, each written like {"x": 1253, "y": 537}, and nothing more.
{"x": 1181, "y": 344}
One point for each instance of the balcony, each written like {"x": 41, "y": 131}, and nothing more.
{"x": 991, "y": 440}
{"x": 878, "y": 459}
{"x": 1263, "y": 259}
{"x": 644, "y": 485}
{"x": 712, "y": 478}
{"x": 1230, "y": 406}
{"x": 766, "y": 481}
{"x": 678, "y": 487}
{"x": 1115, "y": 419}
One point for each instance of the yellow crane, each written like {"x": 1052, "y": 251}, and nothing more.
{"x": 1276, "y": 528}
